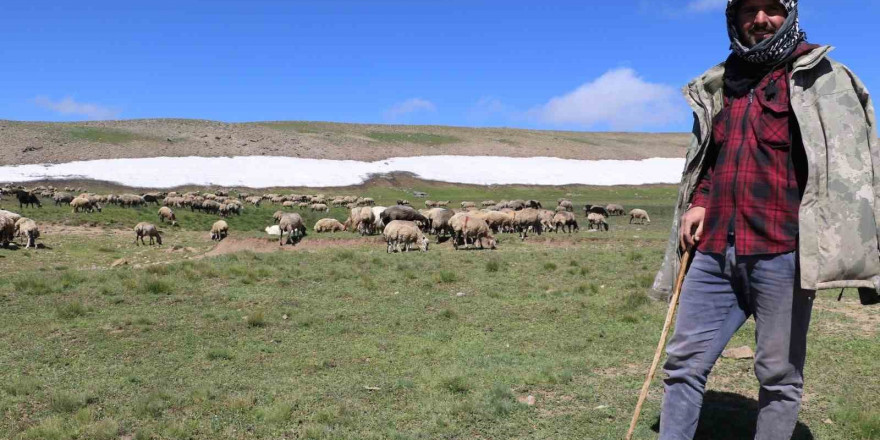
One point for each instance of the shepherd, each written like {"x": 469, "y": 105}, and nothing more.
{"x": 780, "y": 198}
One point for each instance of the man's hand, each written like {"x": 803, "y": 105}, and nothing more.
{"x": 691, "y": 226}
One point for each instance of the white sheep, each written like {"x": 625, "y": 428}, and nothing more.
{"x": 165, "y": 213}
{"x": 219, "y": 230}
{"x": 400, "y": 235}
{"x": 597, "y": 220}
{"x": 328, "y": 225}
{"x": 292, "y": 223}
{"x": 640, "y": 216}
{"x": 145, "y": 229}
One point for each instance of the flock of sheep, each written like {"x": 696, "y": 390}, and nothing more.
{"x": 403, "y": 227}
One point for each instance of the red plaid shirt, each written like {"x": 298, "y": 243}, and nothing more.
{"x": 756, "y": 172}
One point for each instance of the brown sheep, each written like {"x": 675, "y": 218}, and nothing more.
{"x": 144, "y": 229}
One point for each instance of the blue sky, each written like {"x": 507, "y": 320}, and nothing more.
{"x": 583, "y": 65}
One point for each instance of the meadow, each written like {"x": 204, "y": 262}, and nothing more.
{"x": 546, "y": 338}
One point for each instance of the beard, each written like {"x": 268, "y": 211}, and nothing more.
{"x": 755, "y": 36}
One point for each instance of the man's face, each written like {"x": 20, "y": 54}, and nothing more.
{"x": 758, "y": 20}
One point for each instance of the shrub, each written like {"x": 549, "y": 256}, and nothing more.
{"x": 32, "y": 284}
{"x": 256, "y": 319}
{"x": 70, "y": 310}
{"x": 219, "y": 353}
{"x": 500, "y": 400}
{"x": 21, "y": 386}
{"x": 445, "y": 277}
{"x": 550, "y": 266}
{"x": 65, "y": 402}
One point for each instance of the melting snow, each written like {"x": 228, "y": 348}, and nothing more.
{"x": 269, "y": 171}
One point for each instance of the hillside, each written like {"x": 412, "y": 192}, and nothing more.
{"x": 45, "y": 142}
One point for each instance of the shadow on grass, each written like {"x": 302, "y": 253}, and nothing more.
{"x": 729, "y": 416}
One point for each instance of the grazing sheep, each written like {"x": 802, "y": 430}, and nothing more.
{"x": 320, "y": 207}
{"x": 567, "y": 205}
{"x": 377, "y": 215}
{"x": 640, "y": 216}
{"x": 292, "y": 223}
{"x": 12, "y": 215}
{"x": 470, "y": 229}
{"x": 403, "y": 202}
{"x": 165, "y": 213}
{"x": 276, "y": 217}
{"x": 487, "y": 203}
{"x": 366, "y": 220}
{"x": 519, "y": 205}
{"x": 467, "y": 205}
{"x": 401, "y": 235}
{"x": 443, "y": 204}
{"x": 62, "y": 198}
{"x": 27, "y": 228}
{"x": 152, "y": 198}
{"x": 328, "y": 225}
{"x": 84, "y": 204}
{"x": 438, "y": 219}
{"x": 500, "y": 221}
{"x": 528, "y": 219}
{"x": 430, "y": 204}
{"x": 565, "y": 219}
{"x": 144, "y": 229}
{"x": 27, "y": 198}
{"x": 595, "y": 209}
{"x": 614, "y": 209}
{"x": 403, "y": 213}
{"x": 219, "y": 230}
{"x": 533, "y": 204}
{"x": 597, "y": 220}
{"x": 7, "y": 230}
{"x": 546, "y": 217}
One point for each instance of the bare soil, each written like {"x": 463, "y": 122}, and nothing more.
{"x": 52, "y": 142}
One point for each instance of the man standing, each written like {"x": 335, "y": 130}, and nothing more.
{"x": 781, "y": 197}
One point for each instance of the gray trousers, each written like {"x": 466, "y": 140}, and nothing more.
{"x": 720, "y": 292}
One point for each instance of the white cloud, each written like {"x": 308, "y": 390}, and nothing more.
{"x": 68, "y": 106}
{"x": 618, "y": 100}
{"x": 412, "y": 105}
{"x": 706, "y": 5}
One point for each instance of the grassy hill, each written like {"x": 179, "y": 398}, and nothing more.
{"x": 52, "y": 142}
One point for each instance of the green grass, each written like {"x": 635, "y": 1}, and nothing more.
{"x": 413, "y": 138}
{"x": 347, "y": 341}
{"x": 105, "y": 135}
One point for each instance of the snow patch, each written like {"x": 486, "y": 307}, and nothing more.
{"x": 277, "y": 171}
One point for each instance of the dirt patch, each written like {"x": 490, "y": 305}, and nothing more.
{"x": 864, "y": 320}
{"x": 262, "y": 245}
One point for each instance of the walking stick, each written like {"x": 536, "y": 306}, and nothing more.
{"x": 673, "y": 302}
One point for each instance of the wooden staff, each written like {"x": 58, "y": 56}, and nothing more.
{"x": 685, "y": 259}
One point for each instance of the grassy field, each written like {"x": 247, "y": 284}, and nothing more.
{"x": 335, "y": 339}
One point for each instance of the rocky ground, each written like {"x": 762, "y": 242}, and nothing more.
{"x": 43, "y": 142}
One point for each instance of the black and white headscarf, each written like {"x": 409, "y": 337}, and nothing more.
{"x": 772, "y": 50}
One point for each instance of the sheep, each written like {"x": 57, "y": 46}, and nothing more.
{"x": 165, "y": 213}
{"x": 499, "y": 221}
{"x": 533, "y": 204}
{"x": 614, "y": 209}
{"x": 518, "y": 205}
{"x": 567, "y": 205}
{"x": 487, "y": 203}
{"x": 430, "y": 204}
{"x": 83, "y": 204}
{"x": 320, "y": 207}
{"x": 292, "y": 223}
{"x": 403, "y": 202}
{"x": 328, "y": 225}
{"x": 563, "y": 219}
{"x": 639, "y": 215}
{"x": 62, "y": 198}
{"x": 276, "y": 217}
{"x": 219, "y": 230}
{"x": 400, "y": 235}
{"x": 27, "y": 198}
{"x": 595, "y": 209}
{"x": 144, "y": 229}
{"x": 470, "y": 229}
{"x": 546, "y": 218}
{"x": 377, "y": 215}
{"x": 152, "y": 198}
{"x": 366, "y": 220}
{"x": 466, "y": 205}
{"x": 12, "y": 215}
{"x": 402, "y": 213}
{"x": 439, "y": 222}
{"x": 597, "y": 220}
{"x": 527, "y": 220}
{"x": 443, "y": 203}
{"x": 7, "y": 229}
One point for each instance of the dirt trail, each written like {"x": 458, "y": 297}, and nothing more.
{"x": 261, "y": 245}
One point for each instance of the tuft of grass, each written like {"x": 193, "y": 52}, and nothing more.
{"x": 492, "y": 266}
{"x": 447, "y": 314}
{"x": 32, "y": 284}
{"x": 106, "y": 429}
{"x": 219, "y": 354}
{"x": 445, "y": 277}
{"x": 73, "y": 309}
{"x": 20, "y": 386}
{"x": 65, "y": 402}
{"x": 500, "y": 400}
{"x": 550, "y": 266}
{"x": 455, "y": 384}
{"x": 863, "y": 421}
{"x": 278, "y": 413}
{"x": 50, "y": 428}
{"x": 413, "y": 138}
{"x": 256, "y": 319}
{"x": 152, "y": 404}
{"x": 155, "y": 286}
